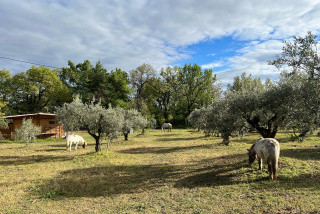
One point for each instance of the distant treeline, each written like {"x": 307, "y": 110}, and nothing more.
{"x": 169, "y": 95}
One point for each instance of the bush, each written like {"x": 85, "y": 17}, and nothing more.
{"x": 28, "y": 131}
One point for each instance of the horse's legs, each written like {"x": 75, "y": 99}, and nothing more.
{"x": 270, "y": 170}
{"x": 260, "y": 163}
{"x": 274, "y": 170}
{"x": 70, "y": 144}
{"x": 76, "y": 147}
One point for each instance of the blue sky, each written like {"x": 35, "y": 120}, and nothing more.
{"x": 229, "y": 36}
{"x": 213, "y": 52}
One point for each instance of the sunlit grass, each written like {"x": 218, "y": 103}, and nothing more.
{"x": 176, "y": 172}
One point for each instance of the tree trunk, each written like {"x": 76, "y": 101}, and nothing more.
{"x": 98, "y": 141}
{"x": 226, "y": 138}
{"x": 98, "y": 145}
{"x": 142, "y": 133}
{"x": 166, "y": 115}
{"x": 269, "y": 132}
{"x": 108, "y": 144}
{"x": 126, "y": 134}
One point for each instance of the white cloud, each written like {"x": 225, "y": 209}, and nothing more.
{"x": 252, "y": 59}
{"x": 212, "y": 65}
{"x": 126, "y": 34}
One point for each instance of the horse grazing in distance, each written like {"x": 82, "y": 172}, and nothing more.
{"x": 267, "y": 150}
{"x": 71, "y": 138}
{"x": 166, "y": 126}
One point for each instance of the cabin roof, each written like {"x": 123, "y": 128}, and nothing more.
{"x": 29, "y": 115}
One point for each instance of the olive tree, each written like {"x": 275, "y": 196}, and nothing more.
{"x": 132, "y": 120}
{"x": 198, "y": 119}
{"x": 300, "y": 66}
{"x": 264, "y": 107}
{"x": 152, "y": 123}
{"x": 99, "y": 122}
{"x": 28, "y": 131}
{"x": 217, "y": 118}
{"x": 221, "y": 119}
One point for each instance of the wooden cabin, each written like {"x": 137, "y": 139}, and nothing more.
{"x": 48, "y": 122}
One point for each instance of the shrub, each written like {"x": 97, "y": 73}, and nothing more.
{"x": 28, "y": 131}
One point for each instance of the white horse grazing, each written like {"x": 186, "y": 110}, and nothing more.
{"x": 268, "y": 150}
{"x": 166, "y": 126}
{"x": 71, "y": 138}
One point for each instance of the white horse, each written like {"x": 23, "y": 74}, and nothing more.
{"x": 166, "y": 126}
{"x": 71, "y": 138}
{"x": 267, "y": 150}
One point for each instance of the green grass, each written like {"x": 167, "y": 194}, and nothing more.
{"x": 161, "y": 172}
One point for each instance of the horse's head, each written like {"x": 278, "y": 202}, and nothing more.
{"x": 84, "y": 145}
{"x": 252, "y": 155}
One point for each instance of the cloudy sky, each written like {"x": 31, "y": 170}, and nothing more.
{"x": 229, "y": 36}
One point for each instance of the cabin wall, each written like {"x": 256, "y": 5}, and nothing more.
{"x": 50, "y": 127}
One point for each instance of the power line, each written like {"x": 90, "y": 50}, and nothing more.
{"x": 32, "y": 63}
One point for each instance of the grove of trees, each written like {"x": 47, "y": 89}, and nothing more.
{"x": 110, "y": 103}
{"x": 291, "y": 103}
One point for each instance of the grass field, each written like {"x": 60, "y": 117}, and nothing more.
{"x": 177, "y": 172}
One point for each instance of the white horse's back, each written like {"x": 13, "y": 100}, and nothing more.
{"x": 267, "y": 150}
{"x": 74, "y": 139}
{"x": 166, "y": 126}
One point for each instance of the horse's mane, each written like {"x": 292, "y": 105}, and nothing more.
{"x": 252, "y": 146}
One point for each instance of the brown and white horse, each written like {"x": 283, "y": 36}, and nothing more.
{"x": 267, "y": 150}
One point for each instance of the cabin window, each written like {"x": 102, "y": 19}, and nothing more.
{"x": 51, "y": 122}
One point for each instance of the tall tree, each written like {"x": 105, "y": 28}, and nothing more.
{"x": 162, "y": 94}
{"x": 139, "y": 78}
{"x": 195, "y": 87}
{"x": 5, "y": 85}
{"x": 37, "y": 90}
{"x": 118, "y": 90}
{"x": 94, "y": 82}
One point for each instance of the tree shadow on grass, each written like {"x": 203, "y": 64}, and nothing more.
{"x": 122, "y": 179}
{"x": 243, "y": 140}
{"x": 108, "y": 180}
{"x": 132, "y": 179}
{"x": 249, "y": 140}
{"x": 219, "y": 171}
{"x": 163, "y": 150}
{"x": 165, "y": 139}
{"x": 61, "y": 145}
{"x": 165, "y": 134}
{"x": 302, "y": 154}
{"x": 234, "y": 169}
{"x": 25, "y": 160}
